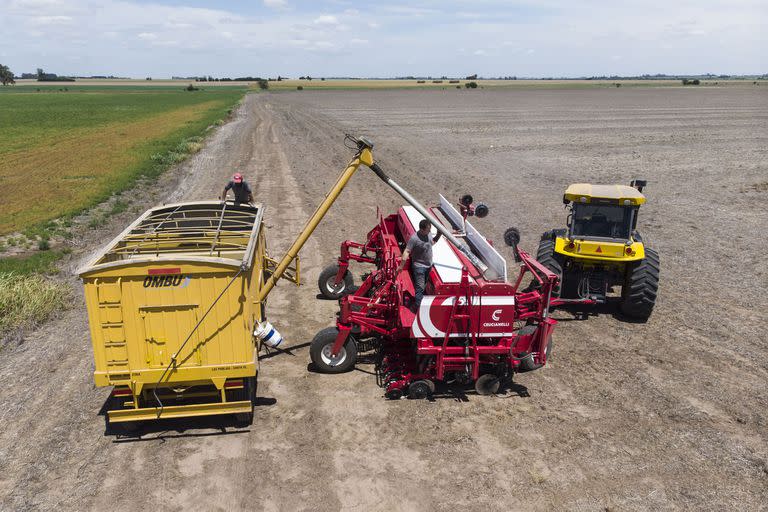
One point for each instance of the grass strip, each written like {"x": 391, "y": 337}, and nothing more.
{"x": 27, "y": 300}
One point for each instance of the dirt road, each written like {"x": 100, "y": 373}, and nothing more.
{"x": 670, "y": 415}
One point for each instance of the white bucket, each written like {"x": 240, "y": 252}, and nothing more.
{"x": 266, "y": 333}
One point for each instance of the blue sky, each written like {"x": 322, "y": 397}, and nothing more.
{"x": 139, "y": 38}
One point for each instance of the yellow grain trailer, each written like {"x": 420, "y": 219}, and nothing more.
{"x": 177, "y": 305}
{"x": 172, "y": 303}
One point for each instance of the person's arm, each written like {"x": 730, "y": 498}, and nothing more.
{"x": 224, "y": 193}
{"x": 250, "y": 193}
{"x": 437, "y": 237}
{"x": 401, "y": 266}
{"x": 406, "y": 254}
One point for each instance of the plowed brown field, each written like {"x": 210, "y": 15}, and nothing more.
{"x": 667, "y": 415}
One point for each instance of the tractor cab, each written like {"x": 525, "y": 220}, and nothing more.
{"x": 603, "y": 212}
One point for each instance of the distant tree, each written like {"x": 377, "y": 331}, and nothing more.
{"x": 263, "y": 85}
{"x": 471, "y": 77}
{"x": 471, "y": 85}
{"x": 40, "y": 74}
{"x": 6, "y": 76}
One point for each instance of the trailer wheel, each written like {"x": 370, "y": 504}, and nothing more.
{"x": 641, "y": 286}
{"x": 527, "y": 364}
{"x": 320, "y": 352}
{"x": 326, "y": 283}
{"x": 249, "y": 393}
{"x": 487, "y": 384}
{"x": 546, "y": 256}
{"x": 421, "y": 389}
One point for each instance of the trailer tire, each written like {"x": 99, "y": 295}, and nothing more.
{"x": 326, "y": 279}
{"x": 421, "y": 389}
{"x": 641, "y": 286}
{"x": 320, "y": 348}
{"x": 546, "y": 256}
{"x": 249, "y": 393}
{"x": 527, "y": 364}
{"x": 487, "y": 384}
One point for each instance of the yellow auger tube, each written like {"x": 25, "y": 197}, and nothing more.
{"x": 364, "y": 157}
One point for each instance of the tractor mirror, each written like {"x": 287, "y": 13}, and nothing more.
{"x": 638, "y": 184}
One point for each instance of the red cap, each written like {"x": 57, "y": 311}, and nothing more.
{"x": 237, "y": 178}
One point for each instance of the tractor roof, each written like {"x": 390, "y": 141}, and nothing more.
{"x": 586, "y": 193}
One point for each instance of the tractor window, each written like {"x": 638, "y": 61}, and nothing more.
{"x": 602, "y": 221}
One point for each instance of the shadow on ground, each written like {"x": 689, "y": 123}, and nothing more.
{"x": 159, "y": 430}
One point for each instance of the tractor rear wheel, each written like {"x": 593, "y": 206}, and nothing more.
{"x": 641, "y": 286}
{"x": 546, "y": 256}
{"x": 320, "y": 351}
{"x": 327, "y": 286}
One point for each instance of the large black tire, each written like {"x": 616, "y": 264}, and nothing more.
{"x": 547, "y": 256}
{"x": 326, "y": 279}
{"x": 319, "y": 352}
{"x": 248, "y": 393}
{"x": 641, "y": 286}
{"x": 527, "y": 364}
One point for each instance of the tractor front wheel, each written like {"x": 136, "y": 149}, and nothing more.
{"x": 327, "y": 283}
{"x": 641, "y": 286}
{"x": 321, "y": 348}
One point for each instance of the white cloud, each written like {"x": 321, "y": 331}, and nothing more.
{"x": 326, "y": 19}
{"x": 50, "y": 20}
{"x": 275, "y": 4}
{"x": 416, "y": 37}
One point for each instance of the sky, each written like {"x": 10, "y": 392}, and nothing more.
{"x": 532, "y": 38}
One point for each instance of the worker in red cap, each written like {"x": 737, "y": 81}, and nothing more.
{"x": 240, "y": 188}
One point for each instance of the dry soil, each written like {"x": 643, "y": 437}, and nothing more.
{"x": 667, "y": 415}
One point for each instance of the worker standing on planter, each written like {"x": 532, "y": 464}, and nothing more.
{"x": 419, "y": 249}
{"x": 240, "y": 189}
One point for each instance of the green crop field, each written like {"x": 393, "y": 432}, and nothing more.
{"x": 62, "y": 151}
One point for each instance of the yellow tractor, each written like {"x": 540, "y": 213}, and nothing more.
{"x": 601, "y": 249}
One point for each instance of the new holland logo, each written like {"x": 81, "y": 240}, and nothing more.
{"x": 166, "y": 281}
